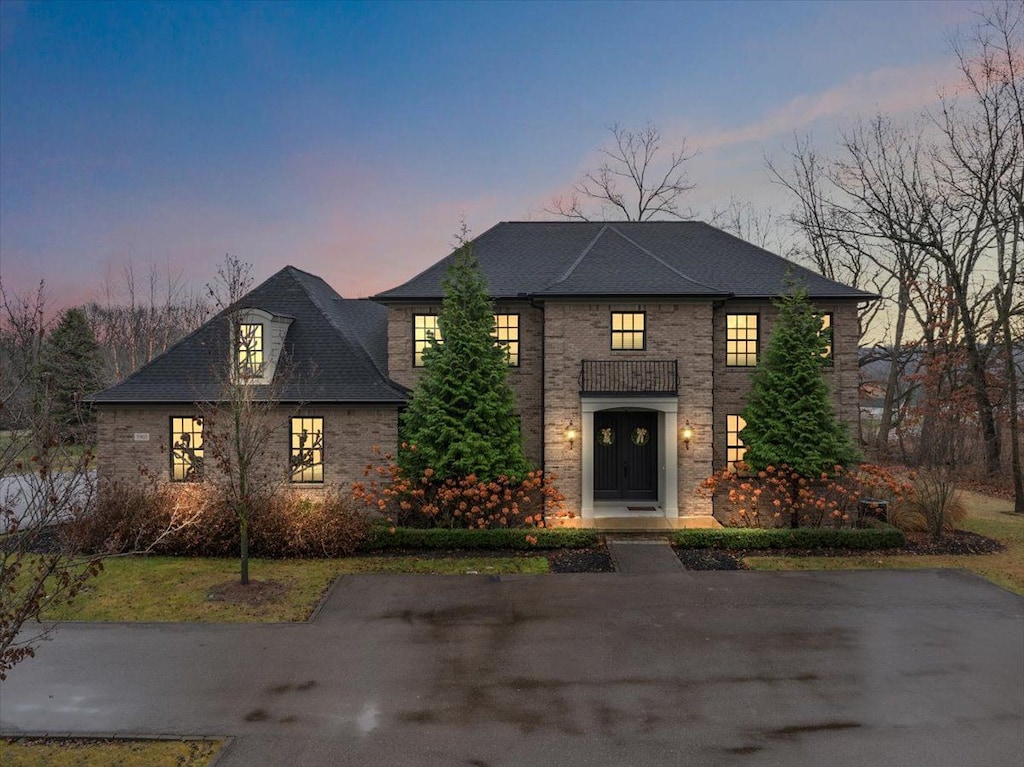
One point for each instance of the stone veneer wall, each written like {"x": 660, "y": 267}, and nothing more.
{"x": 526, "y": 380}
{"x": 574, "y": 331}
{"x": 350, "y": 433}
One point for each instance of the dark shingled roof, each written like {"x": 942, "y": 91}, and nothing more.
{"x": 623, "y": 258}
{"x": 339, "y": 345}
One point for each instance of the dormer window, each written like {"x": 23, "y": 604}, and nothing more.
{"x": 250, "y": 350}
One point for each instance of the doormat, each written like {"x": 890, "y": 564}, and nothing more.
{"x": 640, "y": 508}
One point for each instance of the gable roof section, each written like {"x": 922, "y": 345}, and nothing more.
{"x": 339, "y": 347}
{"x": 622, "y": 258}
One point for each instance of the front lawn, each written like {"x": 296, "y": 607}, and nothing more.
{"x": 80, "y": 752}
{"x": 991, "y": 517}
{"x": 187, "y": 588}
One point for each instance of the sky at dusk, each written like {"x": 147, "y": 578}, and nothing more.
{"x": 348, "y": 139}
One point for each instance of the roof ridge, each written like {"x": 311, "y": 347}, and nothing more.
{"x": 580, "y": 257}
{"x": 347, "y": 335}
{"x": 664, "y": 263}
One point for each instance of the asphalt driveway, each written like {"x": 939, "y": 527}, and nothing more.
{"x": 893, "y": 668}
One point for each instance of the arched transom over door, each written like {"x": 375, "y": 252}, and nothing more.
{"x": 626, "y": 455}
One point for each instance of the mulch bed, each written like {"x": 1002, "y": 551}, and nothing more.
{"x": 255, "y": 593}
{"x": 956, "y": 543}
{"x": 580, "y": 561}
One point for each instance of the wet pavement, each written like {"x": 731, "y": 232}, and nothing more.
{"x": 710, "y": 668}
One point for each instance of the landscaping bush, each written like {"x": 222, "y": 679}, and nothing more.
{"x": 772, "y": 497}
{"x": 384, "y": 537}
{"x": 196, "y": 520}
{"x": 786, "y": 538}
{"x": 466, "y": 502}
{"x": 934, "y": 505}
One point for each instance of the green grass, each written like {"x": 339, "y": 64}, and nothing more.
{"x": 75, "y": 752}
{"x": 985, "y": 516}
{"x": 19, "y": 443}
{"x": 177, "y": 588}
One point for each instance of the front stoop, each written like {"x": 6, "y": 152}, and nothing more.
{"x": 640, "y": 524}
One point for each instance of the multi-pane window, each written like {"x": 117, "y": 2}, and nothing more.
{"x": 628, "y": 330}
{"x": 186, "y": 449}
{"x": 250, "y": 349}
{"x": 826, "y": 332}
{"x": 741, "y": 340}
{"x": 506, "y": 335}
{"x": 735, "y": 449}
{"x": 425, "y": 330}
{"x": 306, "y": 459}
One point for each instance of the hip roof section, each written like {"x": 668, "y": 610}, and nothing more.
{"x": 548, "y": 259}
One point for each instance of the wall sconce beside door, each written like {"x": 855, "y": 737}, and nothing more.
{"x": 571, "y": 434}
{"x": 687, "y": 434}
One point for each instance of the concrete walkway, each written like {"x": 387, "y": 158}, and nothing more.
{"x": 714, "y": 668}
{"x": 638, "y": 555}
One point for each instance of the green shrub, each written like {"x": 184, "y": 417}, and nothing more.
{"x": 783, "y": 538}
{"x": 383, "y": 537}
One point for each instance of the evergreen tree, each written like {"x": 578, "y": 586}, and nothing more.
{"x": 789, "y": 415}
{"x": 70, "y": 368}
{"x": 461, "y": 417}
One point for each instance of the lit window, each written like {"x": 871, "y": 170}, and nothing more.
{"x": 826, "y": 332}
{"x": 506, "y": 335}
{"x": 628, "y": 330}
{"x": 250, "y": 349}
{"x": 307, "y": 450}
{"x": 735, "y": 449}
{"x": 425, "y": 331}
{"x": 186, "y": 449}
{"x": 741, "y": 340}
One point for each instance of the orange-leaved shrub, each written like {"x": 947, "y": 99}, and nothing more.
{"x": 465, "y": 502}
{"x": 775, "y": 496}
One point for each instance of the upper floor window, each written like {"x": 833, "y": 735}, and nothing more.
{"x": 506, "y": 335}
{"x": 425, "y": 331}
{"x": 186, "y": 449}
{"x": 826, "y": 332}
{"x": 734, "y": 447}
{"x": 629, "y": 330}
{"x": 741, "y": 340}
{"x": 250, "y": 349}
{"x": 306, "y": 458}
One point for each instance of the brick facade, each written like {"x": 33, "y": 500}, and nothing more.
{"x": 350, "y": 434}
{"x": 555, "y": 340}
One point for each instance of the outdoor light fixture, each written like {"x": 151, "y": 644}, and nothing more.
{"x": 687, "y": 435}
{"x": 571, "y": 434}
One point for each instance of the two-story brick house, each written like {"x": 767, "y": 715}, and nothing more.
{"x": 630, "y": 346}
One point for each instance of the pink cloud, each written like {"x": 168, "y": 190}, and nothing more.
{"x": 890, "y": 89}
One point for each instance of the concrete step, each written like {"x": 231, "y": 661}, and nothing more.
{"x": 638, "y": 555}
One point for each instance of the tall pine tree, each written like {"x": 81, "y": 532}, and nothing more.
{"x": 789, "y": 414}
{"x": 461, "y": 417}
{"x": 70, "y": 368}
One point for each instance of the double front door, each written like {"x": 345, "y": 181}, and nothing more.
{"x": 625, "y": 455}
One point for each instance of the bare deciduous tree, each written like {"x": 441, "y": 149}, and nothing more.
{"x": 636, "y": 181}
{"x": 240, "y": 426}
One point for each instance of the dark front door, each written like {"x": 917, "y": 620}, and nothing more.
{"x": 625, "y": 455}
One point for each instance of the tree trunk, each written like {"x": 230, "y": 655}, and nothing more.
{"x": 892, "y": 382}
{"x": 243, "y": 534}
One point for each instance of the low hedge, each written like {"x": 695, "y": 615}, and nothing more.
{"x": 382, "y": 537}
{"x": 786, "y": 538}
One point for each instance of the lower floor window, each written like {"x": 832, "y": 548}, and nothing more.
{"x": 735, "y": 449}
{"x": 186, "y": 449}
{"x": 307, "y": 450}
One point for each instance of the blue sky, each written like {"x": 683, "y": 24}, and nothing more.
{"x": 348, "y": 138}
